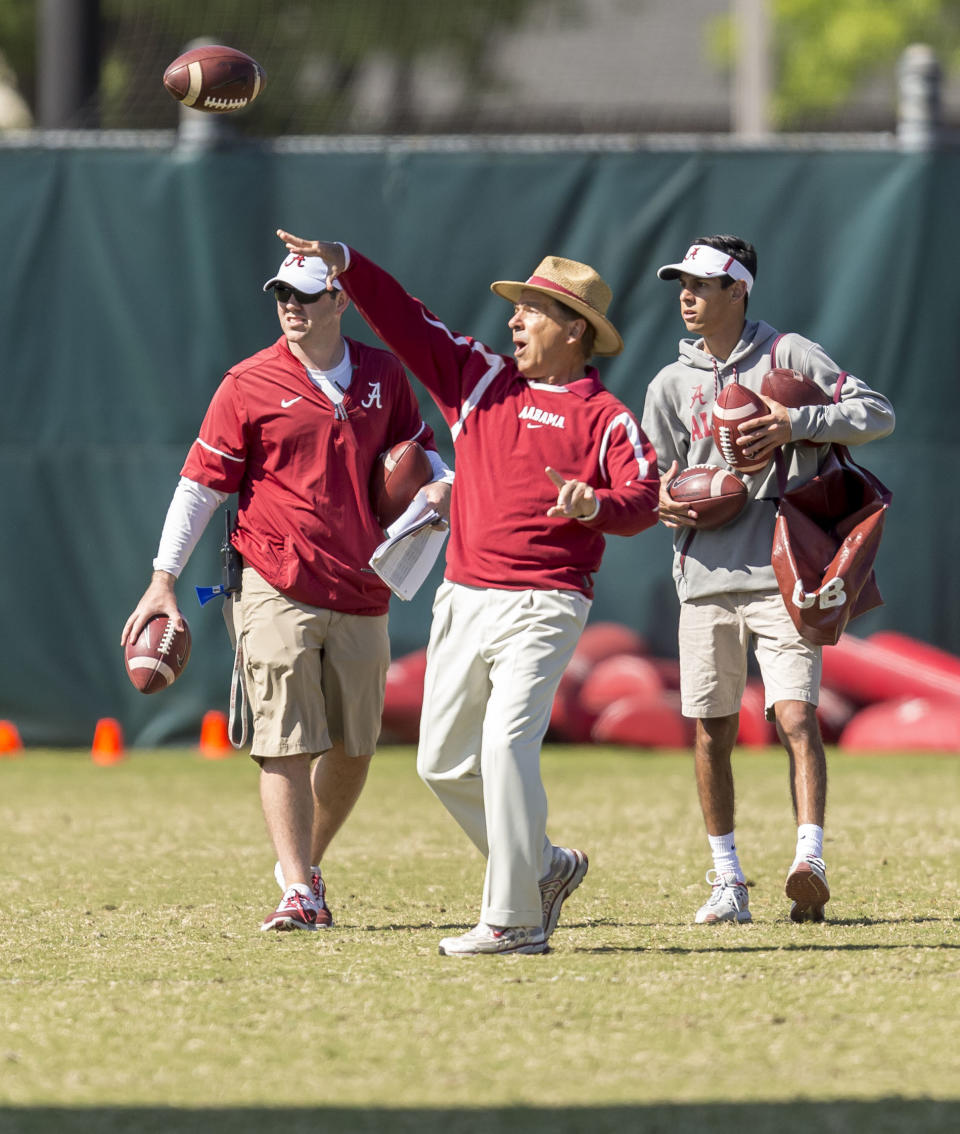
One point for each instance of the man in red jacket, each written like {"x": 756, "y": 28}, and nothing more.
{"x": 547, "y": 461}
{"x": 295, "y": 431}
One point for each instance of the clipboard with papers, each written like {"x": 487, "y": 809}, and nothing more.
{"x": 411, "y": 548}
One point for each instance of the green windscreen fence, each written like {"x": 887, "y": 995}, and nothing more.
{"x": 132, "y": 280}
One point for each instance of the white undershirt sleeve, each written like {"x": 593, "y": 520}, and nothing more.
{"x": 188, "y": 515}
{"x": 440, "y": 470}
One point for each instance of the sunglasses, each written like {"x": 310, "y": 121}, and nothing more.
{"x": 285, "y": 293}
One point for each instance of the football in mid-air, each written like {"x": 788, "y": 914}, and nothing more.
{"x": 158, "y": 656}
{"x": 716, "y": 495}
{"x": 793, "y": 389}
{"x": 735, "y": 406}
{"x": 215, "y": 79}
{"x": 398, "y": 475}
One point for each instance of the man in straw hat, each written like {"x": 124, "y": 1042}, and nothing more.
{"x": 547, "y": 462}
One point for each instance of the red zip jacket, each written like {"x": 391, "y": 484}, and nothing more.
{"x": 304, "y": 520}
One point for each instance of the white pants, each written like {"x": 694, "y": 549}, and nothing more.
{"x": 494, "y": 662}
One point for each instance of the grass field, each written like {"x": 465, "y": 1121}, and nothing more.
{"x": 136, "y": 992}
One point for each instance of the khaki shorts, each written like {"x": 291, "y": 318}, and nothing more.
{"x": 314, "y": 677}
{"x": 715, "y": 636}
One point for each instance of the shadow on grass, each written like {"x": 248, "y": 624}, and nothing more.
{"x": 879, "y": 1116}
{"x": 864, "y": 922}
{"x": 738, "y": 946}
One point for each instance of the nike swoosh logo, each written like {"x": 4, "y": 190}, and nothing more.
{"x": 286, "y": 403}
{"x": 530, "y": 425}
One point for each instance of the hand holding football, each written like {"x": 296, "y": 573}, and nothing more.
{"x": 792, "y": 389}
{"x": 214, "y": 79}
{"x": 158, "y": 656}
{"x": 734, "y": 408}
{"x": 716, "y": 495}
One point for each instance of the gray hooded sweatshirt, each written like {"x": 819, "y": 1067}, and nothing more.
{"x": 677, "y": 419}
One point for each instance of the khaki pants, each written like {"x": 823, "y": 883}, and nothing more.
{"x": 494, "y": 662}
{"x": 313, "y": 676}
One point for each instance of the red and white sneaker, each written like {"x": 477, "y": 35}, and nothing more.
{"x": 807, "y": 888}
{"x": 297, "y": 910}
{"x": 319, "y": 889}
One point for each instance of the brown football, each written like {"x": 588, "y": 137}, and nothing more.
{"x": 793, "y": 389}
{"x": 397, "y": 477}
{"x": 735, "y": 406}
{"x": 158, "y": 656}
{"x": 215, "y": 79}
{"x": 716, "y": 495}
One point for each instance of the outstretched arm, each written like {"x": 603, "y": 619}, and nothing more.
{"x": 331, "y": 253}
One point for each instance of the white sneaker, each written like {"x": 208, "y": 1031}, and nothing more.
{"x": 566, "y": 873}
{"x": 807, "y": 888}
{"x": 729, "y": 900}
{"x": 319, "y": 889}
{"x": 485, "y": 938}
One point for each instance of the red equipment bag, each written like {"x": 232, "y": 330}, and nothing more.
{"x": 824, "y": 546}
{"x": 825, "y": 542}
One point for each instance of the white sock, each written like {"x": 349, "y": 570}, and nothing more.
{"x": 809, "y": 841}
{"x": 724, "y": 853}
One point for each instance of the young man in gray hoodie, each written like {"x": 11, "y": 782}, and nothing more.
{"x": 729, "y": 598}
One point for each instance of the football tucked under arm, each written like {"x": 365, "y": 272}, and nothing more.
{"x": 398, "y": 475}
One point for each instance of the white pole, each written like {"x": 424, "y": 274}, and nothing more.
{"x": 919, "y": 115}
{"x": 753, "y": 73}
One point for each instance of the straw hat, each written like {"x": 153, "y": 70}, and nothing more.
{"x": 576, "y": 285}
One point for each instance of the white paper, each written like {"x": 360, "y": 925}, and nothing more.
{"x": 406, "y": 556}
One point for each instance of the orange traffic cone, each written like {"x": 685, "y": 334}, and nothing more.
{"x": 10, "y": 742}
{"x": 108, "y": 742}
{"x": 214, "y": 739}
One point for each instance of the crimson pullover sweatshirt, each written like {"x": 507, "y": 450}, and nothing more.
{"x": 506, "y": 430}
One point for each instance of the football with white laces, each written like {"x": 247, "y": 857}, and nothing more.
{"x": 735, "y": 407}
{"x": 158, "y": 656}
{"x": 214, "y": 79}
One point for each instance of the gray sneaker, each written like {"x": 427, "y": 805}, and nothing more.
{"x": 807, "y": 888}
{"x": 728, "y": 901}
{"x": 566, "y": 873}
{"x": 485, "y": 938}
